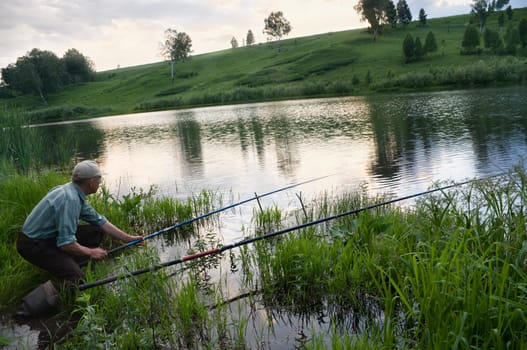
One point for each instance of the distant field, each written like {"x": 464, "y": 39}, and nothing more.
{"x": 330, "y": 64}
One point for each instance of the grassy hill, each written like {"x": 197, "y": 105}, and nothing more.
{"x": 340, "y": 63}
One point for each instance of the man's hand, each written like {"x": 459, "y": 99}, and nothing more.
{"x": 137, "y": 238}
{"x": 98, "y": 253}
{"x": 119, "y": 234}
{"x": 77, "y": 249}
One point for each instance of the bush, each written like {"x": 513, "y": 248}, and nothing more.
{"x": 492, "y": 41}
{"x": 483, "y": 72}
{"x": 471, "y": 41}
{"x": 408, "y": 48}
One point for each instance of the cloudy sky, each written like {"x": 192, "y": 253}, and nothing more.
{"x": 126, "y": 33}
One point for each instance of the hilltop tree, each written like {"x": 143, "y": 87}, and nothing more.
{"x": 391, "y": 13}
{"x": 234, "y": 43}
{"x": 276, "y": 25}
{"x": 250, "y": 38}
{"x": 372, "y": 11}
{"x": 177, "y": 47}
{"x": 403, "y": 12}
{"x": 509, "y": 12}
{"x": 484, "y": 8}
{"x": 422, "y": 17}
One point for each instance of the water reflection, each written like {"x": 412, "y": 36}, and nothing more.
{"x": 386, "y": 141}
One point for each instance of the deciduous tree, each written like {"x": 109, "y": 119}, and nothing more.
{"x": 372, "y": 11}
{"x": 484, "y": 8}
{"x": 23, "y": 77}
{"x": 177, "y": 47}
{"x": 40, "y": 72}
{"x": 79, "y": 68}
{"x": 276, "y": 25}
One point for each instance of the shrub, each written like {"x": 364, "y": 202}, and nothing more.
{"x": 408, "y": 48}
{"x": 430, "y": 43}
{"x": 471, "y": 41}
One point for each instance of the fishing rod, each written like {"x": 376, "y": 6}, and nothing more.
{"x": 189, "y": 221}
{"x": 270, "y": 235}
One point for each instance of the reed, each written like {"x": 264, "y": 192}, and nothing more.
{"x": 267, "y": 220}
{"x": 19, "y": 194}
{"x": 25, "y": 148}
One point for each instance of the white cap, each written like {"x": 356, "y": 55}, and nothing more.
{"x": 86, "y": 169}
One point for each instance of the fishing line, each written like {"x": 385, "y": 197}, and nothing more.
{"x": 203, "y": 216}
{"x": 221, "y": 249}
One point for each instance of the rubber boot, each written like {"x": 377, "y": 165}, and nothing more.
{"x": 42, "y": 301}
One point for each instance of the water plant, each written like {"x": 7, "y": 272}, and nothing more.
{"x": 24, "y": 148}
{"x": 447, "y": 273}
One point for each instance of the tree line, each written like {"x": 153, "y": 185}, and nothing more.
{"x": 41, "y": 72}
{"x": 379, "y": 13}
{"x": 513, "y": 41}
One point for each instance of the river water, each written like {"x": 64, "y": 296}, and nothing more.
{"x": 398, "y": 144}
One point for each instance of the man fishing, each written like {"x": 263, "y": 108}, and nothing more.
{"x": 52, "y": 239}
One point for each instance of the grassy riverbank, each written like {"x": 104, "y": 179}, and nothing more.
{"x": 447, "y": 272}
{"x": 331, "y": 64}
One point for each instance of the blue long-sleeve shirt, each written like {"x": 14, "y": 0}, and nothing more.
{"x": 58, "y": 213}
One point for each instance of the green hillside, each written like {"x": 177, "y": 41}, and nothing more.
{"x": 331, "y": 64}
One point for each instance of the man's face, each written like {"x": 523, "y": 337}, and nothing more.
{"x": 94, "y": 183}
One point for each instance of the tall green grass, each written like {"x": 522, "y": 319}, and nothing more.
{"x": 447, "y": 274}
{"x": 25, "y": 149}
{"x": 19, "y": 194}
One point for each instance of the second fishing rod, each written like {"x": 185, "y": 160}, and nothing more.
{"x": 216, "y": 211}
